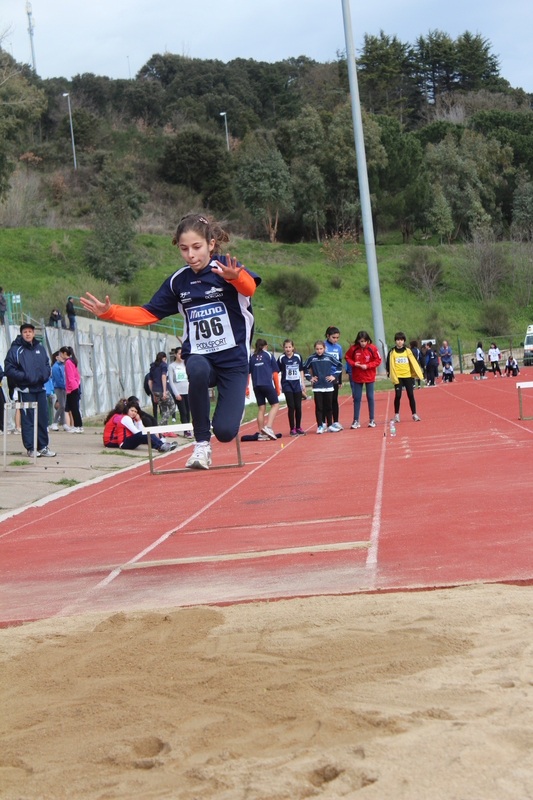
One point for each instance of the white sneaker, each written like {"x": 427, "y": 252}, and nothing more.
{"x": 338, "y": 426}
{"x": 46, "y": 453}
{"x": 416, "y": 418}
{"x": 355, "y": 424}
{"x": 67, "y": 428}
{"x": 166, "y": 447}
{"x": 266, "y": 431}
{"x": 333, "y": 429}
{"x": 371, "y": 424}
{"x": 262, "y": 437}
{"x": 396, "y": 418}
{"x": 321, "y": 429}
{"x": 54, "y": 426}
{"x": 78, "y": 430}
{"x": 201, "y": 456}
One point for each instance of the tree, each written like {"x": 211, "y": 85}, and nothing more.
{"x": 475, "y": 65}
{"x": 523, "y": 208}
{"x": 116, "y": 203}
{"x": 470, "y": 173}
{"x": 263, "y": 183}
{"x": 484, "y": 267}
{"x": 386, "y": 77}
{"x": 422, "y": 273}
{"x": 440, "y": 215}
{"x": 199, "y": 160}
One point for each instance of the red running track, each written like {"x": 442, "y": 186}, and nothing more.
{"x": 445, "y": 502}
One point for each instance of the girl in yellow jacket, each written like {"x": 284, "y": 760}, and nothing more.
{"x": 403, "y": 367}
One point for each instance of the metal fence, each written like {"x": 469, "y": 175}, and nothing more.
{"x": 112, "y": 359}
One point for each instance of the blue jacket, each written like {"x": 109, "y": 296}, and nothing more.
{"x": 322, "y": 367}
{"x": 27, "y": 365}
{"x": 58, "y": 375}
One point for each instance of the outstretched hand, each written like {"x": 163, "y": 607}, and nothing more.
{"x": 95, "y": 306}
{"x": 229, "y": 271}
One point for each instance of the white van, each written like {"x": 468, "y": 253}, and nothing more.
{"x": 528, "y": 347}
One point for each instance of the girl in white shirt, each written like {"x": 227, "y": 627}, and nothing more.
{"x": 494, "y": 357}
{"x": 480, "y": 363}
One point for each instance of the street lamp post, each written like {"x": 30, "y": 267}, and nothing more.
{"x": 364, "y": 191}
{"x": 223, "y": 114}
{"x": 67, "y": 95}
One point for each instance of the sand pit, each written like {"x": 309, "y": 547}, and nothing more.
{"x": 416, "y": 695}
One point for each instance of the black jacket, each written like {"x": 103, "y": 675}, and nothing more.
{"x": 27, "y": 365}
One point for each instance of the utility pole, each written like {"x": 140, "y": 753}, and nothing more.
{"x": 364, "y": 191}
{"x": 31, "y": 26}
{"x": 223, "y": 114}
{"x": 67, "y": 95}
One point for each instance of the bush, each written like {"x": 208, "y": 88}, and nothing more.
{"x": 288, "y": 316}
{"x": 494, "y": 319}
{"x": 292, "y": 287}
{"x": 422, "y": 273}
{"x": 336, "y": 282}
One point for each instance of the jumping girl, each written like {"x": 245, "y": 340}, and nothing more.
{"x": 332, "y": 346}
{"x": 364, "y": 359}
{"x": 212, "y": 293}
{"x": 264, "y": 371}
{"x": 292, "y": 385}
{"x": 123, "y": 429}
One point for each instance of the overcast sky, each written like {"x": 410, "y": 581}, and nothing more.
{"x": 99, "y": 35}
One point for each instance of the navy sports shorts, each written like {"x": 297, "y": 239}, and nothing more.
{"x": 263, "y": 393}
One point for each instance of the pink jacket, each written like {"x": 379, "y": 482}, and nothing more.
{"x": 72, "y": 376}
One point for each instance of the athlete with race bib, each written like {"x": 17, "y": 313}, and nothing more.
{"x": 212, "y": 293}
{"x": 403, "y": 367}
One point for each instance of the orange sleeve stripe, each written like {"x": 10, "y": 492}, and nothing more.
{"x": 275, "y": 378}
{"x": 244, "y": 284}
{"x": 130, "y": 315}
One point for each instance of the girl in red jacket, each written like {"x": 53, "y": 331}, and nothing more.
{"x": 363, "y": 357}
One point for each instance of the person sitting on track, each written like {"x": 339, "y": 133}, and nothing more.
{"x": 212, "y": 292}
{"x": 123, "y": 429}
{"x": 447, "y": 373}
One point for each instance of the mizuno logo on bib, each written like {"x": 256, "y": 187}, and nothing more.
{"x": 210, "y": 328}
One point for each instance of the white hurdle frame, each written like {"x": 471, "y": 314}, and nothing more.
{"x": 181, "y": 428}
{"x": 8, "y": 406}
{"x": 526, "y": 385}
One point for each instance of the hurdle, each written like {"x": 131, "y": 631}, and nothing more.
{"x": 8, "y": 407}
{"x": 181, "y": 428}
{"x": 528, "y": 385}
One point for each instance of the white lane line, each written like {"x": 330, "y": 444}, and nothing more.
{"x": 248, "y": 554}
{"x": 112, "y": 575}
{"x": 372, "y": 557}
{"x": 494, "y": 414}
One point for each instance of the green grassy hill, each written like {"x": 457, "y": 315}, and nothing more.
{"x": 47, "y": 265}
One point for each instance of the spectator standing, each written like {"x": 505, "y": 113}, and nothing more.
{"x": 292, "y": 385}
{"x": 265, "y": 379}
{"x": 321, "y": 368}
{"x": 3, "y": 306}
{"x": 364, "y": 359}
{"x": 28, "y": 367}
{"x": 179, "y": 383}
{"x": 58, "y": 381}
{"x": 494, "y": 358}
{"x": 2, "y": 400}
{"x": 332, "y": 346}
{"x": 71, "y": 314}
{"x": 413, "y": 345}
{"x": 445, "y": 353}
{"x": 403, "y": 367}
{"x": 72, "y": 387}
{"x": 432, "y": 364}
{"x": 479, "y": 366}
{"x": 158, "y": 387}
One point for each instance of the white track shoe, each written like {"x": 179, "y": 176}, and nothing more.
{"x": 201, "y": 456}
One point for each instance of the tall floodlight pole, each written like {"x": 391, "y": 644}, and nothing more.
{"x": 223, "y": 114}
{"x": 67, "y": 95}
{"x": 364, "y": 190}
{"x": 31, "y": 26}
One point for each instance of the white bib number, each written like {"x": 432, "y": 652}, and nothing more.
{"x": 180, "y": 373}
{"x": 402, "y": 360}
{"x": 293, "y": 373}
{"x": 210, "y": 329}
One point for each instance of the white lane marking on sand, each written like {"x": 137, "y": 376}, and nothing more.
{"x": 292, "y": 524}
{"x": 183, "y": 524}
{"x": 372, "y": 557}
{"x": 248, "y": 554}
